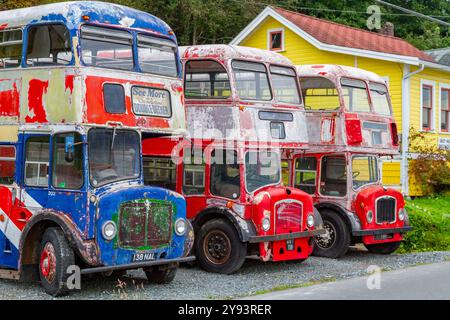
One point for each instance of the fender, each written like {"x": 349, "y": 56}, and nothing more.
{"x": 87, "y": 250}
{"x": 350, "y": 218}
{"x": 245, "y": 228}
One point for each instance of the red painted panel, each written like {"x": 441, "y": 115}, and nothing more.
{"x": 9, "y": 101}
{"x": 96, "y": 112}
{"x": 36, "y": 91}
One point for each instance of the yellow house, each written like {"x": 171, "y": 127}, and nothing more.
{"x": 419, "y": 85}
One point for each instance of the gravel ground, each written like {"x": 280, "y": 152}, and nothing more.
{"x": 255, "y": 276}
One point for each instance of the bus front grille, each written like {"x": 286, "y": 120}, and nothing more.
{"x": 145, "y": 223}
{"x": 386, "y": 207}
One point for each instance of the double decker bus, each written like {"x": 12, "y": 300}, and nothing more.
{"x": 243, "y": 112}
{"x": 350, "y": 126}
{"x": 81, "y": 84}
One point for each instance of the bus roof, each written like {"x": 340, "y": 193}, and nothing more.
{"x": 72, "y": 14}
{"x": 224, "y": 52}
{"x": 334, "y": 72}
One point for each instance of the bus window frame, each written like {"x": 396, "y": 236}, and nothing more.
{"x": 227, "y": 71}
{"x": 26, "y": 40}
{"x": 234, "y": 81}
{"x": 319, "y": 187}
{"x": 134, "y": 46}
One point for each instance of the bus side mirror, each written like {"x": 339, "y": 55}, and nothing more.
{"x": 69, "y": 148}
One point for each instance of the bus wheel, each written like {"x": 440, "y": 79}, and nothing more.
{"x": 336, "y": 241}
{"x": 161, "y": 275}
{"x": 383, "y": 248}
{"x": 219, "y": 248}
{"x": 55, "y": 257}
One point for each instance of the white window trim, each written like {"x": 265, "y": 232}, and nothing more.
{"x": 269, "y": 32}
{"x": 433, "y": 105}
{"x": 442, "y": 86}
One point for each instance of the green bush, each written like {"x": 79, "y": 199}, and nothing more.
{"x": 430, "y": 218}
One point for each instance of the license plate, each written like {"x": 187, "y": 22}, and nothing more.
{"x": 384, "y": 236}
{"x": 143, "y": 257}
{"x": 290, "y": 245}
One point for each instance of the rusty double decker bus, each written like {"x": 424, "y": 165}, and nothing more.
{"x": 81, "y": 84}
{"x": 350, "y": 126}
{"x": 243, "y": 112}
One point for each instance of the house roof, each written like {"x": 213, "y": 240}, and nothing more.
{"x": 442, "y": 56}
{"x": 345, "y": 36}
{"x": 334, "y": 37}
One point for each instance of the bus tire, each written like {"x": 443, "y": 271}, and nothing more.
{"x": 383, "y": 248}
{"x": 55, "y": 257}
{"x": 218, "y": 247}
{"x": 335, "y": 243}
{"x": 161, "y": 276}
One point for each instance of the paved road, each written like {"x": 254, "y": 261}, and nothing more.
{"x": 416, "y": 283}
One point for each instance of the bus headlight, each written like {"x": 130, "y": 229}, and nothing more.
{"x": 180, "y": 227}
{"x": 109, "y": 230}
{"x": 310, "y": 221}
{"x": 266, "y": 224}
{"x": 401, "y": 214}
{"x": 369, "y": 216}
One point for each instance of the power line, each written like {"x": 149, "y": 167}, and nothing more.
{"x": 414, "y": 13}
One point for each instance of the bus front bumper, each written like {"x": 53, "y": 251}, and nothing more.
{"x": 132, "y": 266}
{"x": 286, "y": 236}
{"x": 362, "y": 233}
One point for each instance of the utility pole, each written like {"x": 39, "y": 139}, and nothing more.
{"x": 414, "y": 13}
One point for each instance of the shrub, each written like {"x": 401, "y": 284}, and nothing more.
{"x": 431, "y": 166}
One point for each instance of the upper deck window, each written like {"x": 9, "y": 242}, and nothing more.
{"x": 285, "y": 85}
{"x": 10, "y": 48}
{"x": 380, "y": 98}
{"x": 206, "y": 79}
{"x": 107, "y": 48}
{"x": 48, "y": 45}
{"x": 319, "y": 94}
{"x": 157, "y": 56}
{"x": 355, "y": 95}
{"x": 252, "y": 82}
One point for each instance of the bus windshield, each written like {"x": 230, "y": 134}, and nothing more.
{"x": 380, "y": 98}
{"x": 262, "y": 168}
{"x": 114, "y": 155}
{"x": 355, "y": 94}
{"x": 157, "y": 56}
{"x": 252, "y": 82}
{"x": 107, "y": 48}
{"x": 285, "y": 85}
{"x": 365, "y": 170}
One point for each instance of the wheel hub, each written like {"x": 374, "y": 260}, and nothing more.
{"x": 217, "y": 247}
{"x": 328, "y": 239}
{"x": 48, "y": 262}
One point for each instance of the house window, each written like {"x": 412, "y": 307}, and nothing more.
{"x": 427, "y": 107}
{"x": 276, "y": 39}
{"x": 445, "y": 110}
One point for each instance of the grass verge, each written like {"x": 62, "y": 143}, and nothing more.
{"x": 430, "y": 218}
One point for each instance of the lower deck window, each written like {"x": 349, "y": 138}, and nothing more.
{"x": 7, "y": 164}
{"x": 194, "y": 172}
{"x": 333, "y": 180}
{"x": 67, "y": 166}
{"x": 160, "y": 172}
{"x": 36, "y": 161}
{"x": 305, "y": 174}
{"x": 225, "y": 174}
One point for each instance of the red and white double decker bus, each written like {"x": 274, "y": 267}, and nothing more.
{"x": 243, "y": 111}
{"x": 350, "y": 126}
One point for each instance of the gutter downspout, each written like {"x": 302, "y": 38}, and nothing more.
{"x": 406, "y": 108}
